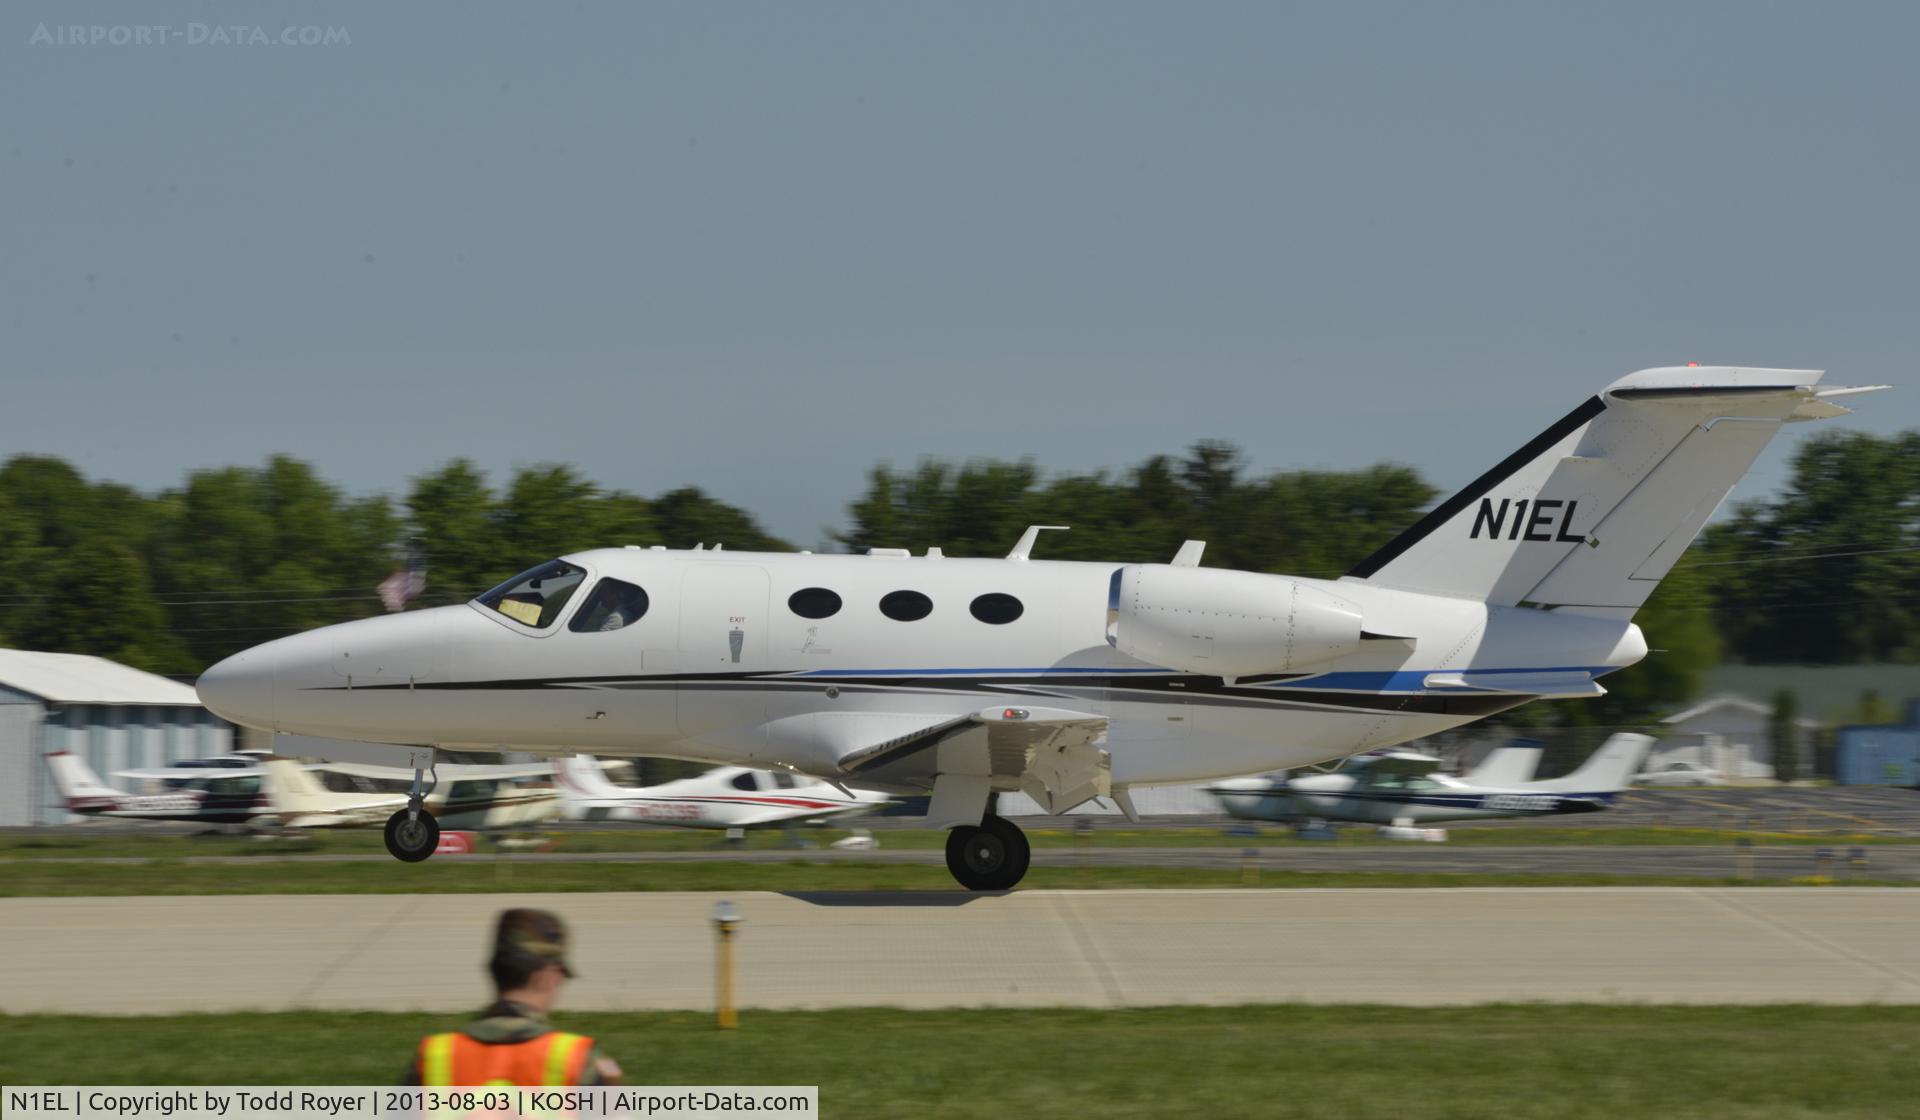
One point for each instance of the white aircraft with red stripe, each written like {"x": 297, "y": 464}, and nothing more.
{"x": 724, "y": 797}
{"x": 1067, "y": 681}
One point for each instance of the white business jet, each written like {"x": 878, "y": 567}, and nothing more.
{"x": 1405, "y": 789}
{"x": 964, "y": 678}
{"x": 726, "y": 797}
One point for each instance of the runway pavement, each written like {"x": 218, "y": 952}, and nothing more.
{"x": 1027, "y": 948}
{"x": 1781, "y": 862}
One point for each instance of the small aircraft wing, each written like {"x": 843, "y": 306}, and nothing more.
{"x": 186, "y": 773}
{"x": 461, "y": 771}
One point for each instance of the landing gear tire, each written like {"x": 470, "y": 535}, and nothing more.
{"x": 991, "y": 857}
{"x": 412, "y": 839}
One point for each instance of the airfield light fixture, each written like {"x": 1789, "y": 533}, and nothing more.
{"x": 726, "y": 918}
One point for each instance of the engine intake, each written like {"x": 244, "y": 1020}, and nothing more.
{"x": 1226, "y": 623}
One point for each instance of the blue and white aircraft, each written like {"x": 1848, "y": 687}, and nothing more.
{"x": 964, "y": 678}
{"x": 1403, "y": 789}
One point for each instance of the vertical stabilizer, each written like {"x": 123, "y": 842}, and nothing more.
{"x": 580, "y": 778}
{"x": 1596, "y": 509}
{"x": 1608, "y": 770}
{"x": 1509, "y": 765}
{"x": 293, "y": 790}
{"x": 75, "y": 781}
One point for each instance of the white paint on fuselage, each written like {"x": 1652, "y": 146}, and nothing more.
{"x": 668, "y": 684}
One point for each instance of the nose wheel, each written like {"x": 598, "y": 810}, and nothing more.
{"x": 412, "y": 835}
{"x": 991, "y": 857}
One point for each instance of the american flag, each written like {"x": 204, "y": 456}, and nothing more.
{"x": 405, "y": 584}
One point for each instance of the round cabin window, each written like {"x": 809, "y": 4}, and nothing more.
{"x": 905, "y": 606}
{"x": 814, "y": 602}
{"x": 996, "y": 609}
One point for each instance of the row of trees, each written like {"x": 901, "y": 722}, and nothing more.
{"x": 172, "y": 582}
{"x": 1829, "y": 570}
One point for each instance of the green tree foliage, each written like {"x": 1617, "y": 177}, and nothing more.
{"x": 1828, "y": 572}
{"x": 1682, "y": 644}
{"x": 1785, "y": 735}
{"x": 174, "y": 581}
{"x": 472, "y": 539}
{"x": 1301, "y": 522}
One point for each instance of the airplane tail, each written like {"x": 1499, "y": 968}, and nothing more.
{"x": 1608, "y": 770}
{"x": 291, "y": 788}
{"x": 1596, "y": 509}
{"x": 1509, "y": 765}
{"x": 75, "y": 781}
{"x": 581, "y": 779}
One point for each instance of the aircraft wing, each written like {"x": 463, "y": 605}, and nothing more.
{"x": 168, "y": 773}
{"x": 461, "y": 771}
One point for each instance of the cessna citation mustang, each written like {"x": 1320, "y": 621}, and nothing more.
{"x": 1068, "y": 681}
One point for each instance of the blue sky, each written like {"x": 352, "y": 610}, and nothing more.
{"x": 760, "y": 247}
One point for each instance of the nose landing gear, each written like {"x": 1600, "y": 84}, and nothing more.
{"x": 412, "y": 834}
{"x": 991, "y": 857}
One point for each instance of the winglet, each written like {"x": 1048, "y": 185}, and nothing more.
{"x": 1189, "y": 554}
{"x": 1024, "y": 549}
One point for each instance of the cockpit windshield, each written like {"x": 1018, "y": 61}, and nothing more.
{"x": 535, "y": 598}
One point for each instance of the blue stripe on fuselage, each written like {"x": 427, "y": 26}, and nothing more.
{"x": 1365, "y": 680}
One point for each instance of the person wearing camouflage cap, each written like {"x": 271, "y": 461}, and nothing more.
{"x": 511, "y": 1043}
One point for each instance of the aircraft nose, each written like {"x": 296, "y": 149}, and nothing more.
{"x": 241, "y": 688}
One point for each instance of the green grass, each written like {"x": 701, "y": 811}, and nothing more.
{"x": 79, "y": 843}
{"x": 1566, "y": 1062}
{"x": 164, "y": 877}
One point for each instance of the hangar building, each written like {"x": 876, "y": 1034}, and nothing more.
{"x": 113, "y": 716}
{"x": 1885, "y": 754}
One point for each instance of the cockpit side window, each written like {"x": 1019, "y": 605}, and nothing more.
{"x": 744, "y": 781}
{"x": 613, "y": 603}
{"x": 535, "y": 598}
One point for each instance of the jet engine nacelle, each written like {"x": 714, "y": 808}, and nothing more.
{"x": 1226, "y": 623}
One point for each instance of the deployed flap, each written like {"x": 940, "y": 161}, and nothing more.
{"x": 1051, "y": 752}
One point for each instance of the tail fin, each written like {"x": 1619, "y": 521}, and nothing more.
{"x": 1608, "y": 770}
{"x": 1596, "y": 509}
{"x": 75, "y": 781}
{"x": 580, "y": 778}
{"x": 292, "y": 789}
{"x": 1510, "y": 765}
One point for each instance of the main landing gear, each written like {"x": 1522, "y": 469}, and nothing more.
{"x": 412, "y": 833}
{"x": 990, "y": 857}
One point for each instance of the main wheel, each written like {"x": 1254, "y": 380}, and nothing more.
{"x": 991, "y": 857}
{"x": 412, "y": 839}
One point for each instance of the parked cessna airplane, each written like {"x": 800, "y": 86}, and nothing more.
{"x": 297, "y": 800}
{"x": 723, "y": 797}
{"x": 1404, "y": 789}
{"x": 215, "y": 796}
{"x": 281, "y": 793}
{"x": 1068, "y": 681}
